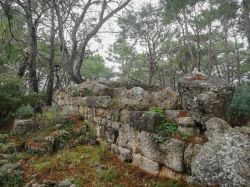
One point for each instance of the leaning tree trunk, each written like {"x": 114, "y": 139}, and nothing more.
{"x": 50, "y": 89}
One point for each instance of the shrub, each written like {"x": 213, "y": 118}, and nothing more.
{"x": 11, "y": 92}
{"x": 239, "y": 107}
{"x": 24, "y": 112}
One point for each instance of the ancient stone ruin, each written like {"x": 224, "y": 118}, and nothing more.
{"x": 203, "y": 145}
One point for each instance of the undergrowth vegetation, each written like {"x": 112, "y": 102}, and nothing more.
{"x": 167, "y": 128}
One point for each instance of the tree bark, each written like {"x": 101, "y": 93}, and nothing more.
{"x": 33, "y": 48}
{"x": 246, "y": 14}
{"x": 50, "y": 88}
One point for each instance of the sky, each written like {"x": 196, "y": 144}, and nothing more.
{"x": 109, "y": 38}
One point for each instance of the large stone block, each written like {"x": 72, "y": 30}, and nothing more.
{"x": 96, "y": 101}
{"x": 205, "y": 97}
{"x": 127, "y": 137}
{"x": 166, "y": 99}
{"x": 123, "y": 153}
{"x": 224, "y": 160}
{"x": 172, "y": 153}
{"x": 147, "y": 121}
{"x": 146, "y": 164}
{"x": 22, "y": 127}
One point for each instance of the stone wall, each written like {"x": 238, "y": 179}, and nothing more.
{"x": 121, "y": 116}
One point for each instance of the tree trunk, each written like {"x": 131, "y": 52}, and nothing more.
{"x": 50, "y": 88}
{"x": 33, "y": 51}
{"x": 246, "y": 12}
{"x": 188, "y": 41}
{"x": 226, "y": 52}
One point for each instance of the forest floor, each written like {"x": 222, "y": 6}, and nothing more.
{"x": 84, "y": 164}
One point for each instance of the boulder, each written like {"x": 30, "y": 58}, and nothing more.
{"x": 225, "y": 159}
{"x": 138, "y": 93}
{"x": 146, "y": 164}
{"x": 123, "y": 153}
{"x": 22, "y": 127}
{"x": 147, "y": 121}
{"x": 205, "y": 97}
{"x": 172, "y": 152}
{"x": 166, "y": 99}
{"x": 96, "y": 89}
{"x": 216, "y": 127}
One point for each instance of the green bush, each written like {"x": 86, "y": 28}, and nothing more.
{"x": 24, "y": 112}
{"x": 240, "y": 105}
{"x": 11, "y": 92}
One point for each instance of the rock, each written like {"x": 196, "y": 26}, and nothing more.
{"x": 189, "y": 154}
{"x": 138, "y": 93}
{"x": 95, "y": 88}
{"x": 166, "y": 99}
{"x": 224, "y": 160}
{"x": 174, "y": 114}
{"x": 133, "y": 104}
{"x": 22, "y": 127}
{"x": 146, "y": 164}
{"x": 205, "y": 97}
{"x": 60, "y": 126}
{"x": 127, "y": 137}
{"x": 123, "y": 153}
{"x": 9, "y": 169}
{"x": 216, "y": 127}
{"x": 125, "y": 116}
{"x": 147, "y": 121}
{"x": 185, "y": 122}
{"x": 65, "y": 183}
{"x": 172, "y": 154}
{"x": 120, "y": 92}
{"x": 97, "y": 102}
{"x": 111, "y": 135}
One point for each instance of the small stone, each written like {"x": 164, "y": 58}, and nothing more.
{"x": 65, "y": 183}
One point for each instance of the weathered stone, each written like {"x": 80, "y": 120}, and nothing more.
{"x": 127, "y": 137}
{"x": 124, "y": 103}
{"x": 123, "y": 153}
{"x": 97, "y": 102}
{"x": 65, "y": 183}
{"x": 166, "y": 99}
{"x": 147, "y": 146}
{"x": 189, "y": 154}
{"x": 205, "y": 97}
{"x": 111, "y": 135}
{"x": 223, "y": 161}
{"x": 138, "y": 93}
{"x": 174, "y": 114}
{"x": 125, "y": 116}
{"x": 216, "y": 127}
{"x": 172, "y": 154}
{"x": 120, "y": 92}
{"x": 185, "y": 122}
{"x": 22, "y": 127}
{"x": 147, "y": 121}
{"x": 146, "y": 164}
{"x": 95, "y": 88}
